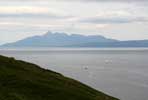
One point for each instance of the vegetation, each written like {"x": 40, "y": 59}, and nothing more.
{"x": 20, "y": 80}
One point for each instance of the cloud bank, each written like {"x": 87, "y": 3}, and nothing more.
{"x": 113, "y": 20}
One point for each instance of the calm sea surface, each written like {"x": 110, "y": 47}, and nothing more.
{"x": 121, "y": 72}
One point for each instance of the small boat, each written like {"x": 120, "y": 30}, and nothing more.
{"x": 85, "y": 68}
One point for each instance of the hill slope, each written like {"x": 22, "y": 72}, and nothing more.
{"x": 20, "y": 80}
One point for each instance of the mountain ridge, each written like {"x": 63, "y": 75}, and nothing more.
{"x": 58, "y": 39}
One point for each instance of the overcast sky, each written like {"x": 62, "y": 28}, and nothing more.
{"x": 118, "y": 19}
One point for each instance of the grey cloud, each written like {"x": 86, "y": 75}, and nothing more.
{"x": 112, "y": 0}
{"x": 113, "y": 20}
{"x": 31, "y": 15}
{"x": 84, "y": 0}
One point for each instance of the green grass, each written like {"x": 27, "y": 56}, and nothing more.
{"x": 20, "y": 80}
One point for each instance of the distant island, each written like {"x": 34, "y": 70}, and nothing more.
{"x": 57, "y": 39}
{"x": 21, "y": 80}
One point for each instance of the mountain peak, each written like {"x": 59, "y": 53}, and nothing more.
{"x": 50, "y": 33}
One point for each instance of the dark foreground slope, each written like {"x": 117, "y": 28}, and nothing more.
{"x": 20, "y": 80}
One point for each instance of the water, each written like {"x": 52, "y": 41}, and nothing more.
{"x": 121, "y": 72}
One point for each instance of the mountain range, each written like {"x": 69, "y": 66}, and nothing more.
{"x": 58, "y": 39}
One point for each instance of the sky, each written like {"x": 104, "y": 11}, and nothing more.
{"x": 116, "y": 19}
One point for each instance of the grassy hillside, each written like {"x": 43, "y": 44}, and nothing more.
{"x": 20, "y": 80}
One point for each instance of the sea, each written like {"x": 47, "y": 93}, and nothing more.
{"x": 119, "y": 72}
